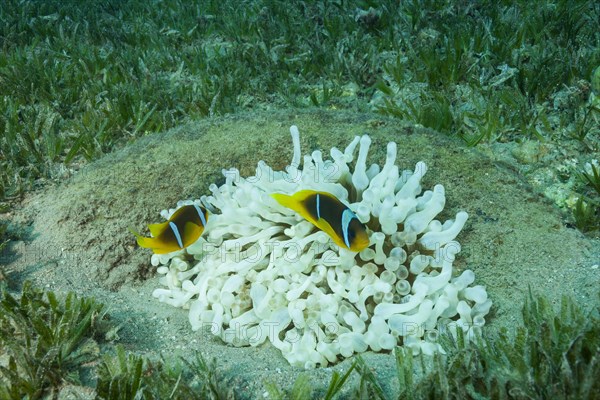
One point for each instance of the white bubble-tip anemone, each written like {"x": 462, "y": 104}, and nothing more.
{"x": 263, "y": 273}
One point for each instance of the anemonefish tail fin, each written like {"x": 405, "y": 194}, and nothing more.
{"x": 288, "y": 201}
{"x": 157, "y": 229}
{"x": 141, "y": 240}
{"x": 136, "y": 234}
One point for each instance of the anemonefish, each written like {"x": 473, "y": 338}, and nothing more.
{"x": 183, "y": 228}
{"x": 330, "y": 215}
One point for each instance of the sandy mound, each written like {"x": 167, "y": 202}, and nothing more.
{"x": 513, "y": 239}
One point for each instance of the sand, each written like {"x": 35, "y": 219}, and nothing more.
{"x": 515, "y": 238}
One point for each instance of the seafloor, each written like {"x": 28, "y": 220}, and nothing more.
{"x": 515, "y": 239}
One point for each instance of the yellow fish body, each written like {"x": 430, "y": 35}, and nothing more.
{"x": 329, "y": 214}
{"x": 181, "y": 230}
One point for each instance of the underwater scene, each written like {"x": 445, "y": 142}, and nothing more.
{"x": 270, "y": 199}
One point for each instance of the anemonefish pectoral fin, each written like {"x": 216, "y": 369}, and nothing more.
{"x": 191, "y": 233}
{"x": 360, "y": 243}
{"x": 328, "y": 229}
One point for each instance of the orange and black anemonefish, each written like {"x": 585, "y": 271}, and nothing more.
{"x": 181, "y": 230}
{"x": 329, "y": 214}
